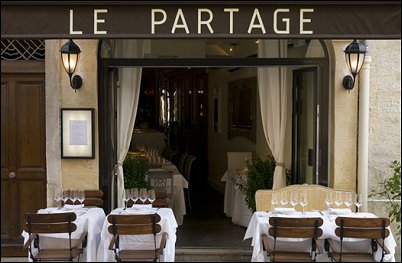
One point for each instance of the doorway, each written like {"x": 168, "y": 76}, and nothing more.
{"x": 23, "y": 157}
{"x": 175, "y": 62}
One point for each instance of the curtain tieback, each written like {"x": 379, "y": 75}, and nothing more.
{"x": 280, "y": 164}
{"x": 120, "y": 163}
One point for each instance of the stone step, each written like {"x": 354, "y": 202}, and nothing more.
{"x": 213, "y": 254}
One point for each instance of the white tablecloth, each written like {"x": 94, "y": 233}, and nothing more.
{"x": 88, "y": 220}
{"x": 168, "y": 224}
{"x": 179, "y": 203}
{"x": 235, "y": 205}
{"x": 259, "y": 225}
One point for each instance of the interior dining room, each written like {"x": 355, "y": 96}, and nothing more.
{"x": 180, "y": 130}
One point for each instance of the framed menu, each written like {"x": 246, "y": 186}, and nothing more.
{"x": 77, "y": 133}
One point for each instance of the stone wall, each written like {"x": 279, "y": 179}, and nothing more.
{"x": 69, "y": 173}
{"x": 385, "y": 118}
{"x": 343, "y": 121}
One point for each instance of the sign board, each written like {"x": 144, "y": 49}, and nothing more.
{"x": 185, "y": 19}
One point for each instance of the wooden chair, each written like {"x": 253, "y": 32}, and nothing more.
{"x": 37, "y": 224}
{"x": 169, "y": 154}
{"x": 182, "y": 162}
{"x": 283, "y": 227}
{"x": 351, "y": 227}
{"x": 135, "y": 225}
{"x": 187, "y": 174}
{"x": 158, "y": 179}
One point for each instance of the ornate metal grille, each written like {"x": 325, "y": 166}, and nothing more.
{"x": 22, "y": 49}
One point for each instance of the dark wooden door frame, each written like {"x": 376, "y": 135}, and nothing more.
{"x": 105, "y": 169}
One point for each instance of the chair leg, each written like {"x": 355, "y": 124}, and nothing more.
{"x": 188, "y": 198}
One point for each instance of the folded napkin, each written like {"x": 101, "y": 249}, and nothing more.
{"x": 47, "y": 210}
{"x": 284, "y": 210}
{"x": 141, "y": 206}
{"x": 340, "y": 211}
{"x": 140, "y": 211}
{"x": 73, "y": 206}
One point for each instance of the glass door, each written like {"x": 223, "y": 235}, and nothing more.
{"x": 305, "y": 126}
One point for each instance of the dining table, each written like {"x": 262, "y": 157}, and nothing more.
{"x": 89, "y": 220}
{"x": 234, "y": 201}
{"x": 168, "y": 224}
{"x": 259, "y": 225}
{"x": 179, "y": 184}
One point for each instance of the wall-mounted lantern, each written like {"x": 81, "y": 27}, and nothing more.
{"x": 69, "y": 56}
{"x": 355, "y": 54}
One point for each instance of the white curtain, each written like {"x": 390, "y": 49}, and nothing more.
{"x": 128, "y": 93}
{"x": 273, "y": 101}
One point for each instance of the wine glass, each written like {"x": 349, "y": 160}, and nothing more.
{"x": 329, "y": 200}
{"x": 57, "y": 198}
{"x": 143, "y": 195}
{"x": 358, "y": 201}
{"x": 294, "y": 199}
{"x": 65, "y": 196}
{"x": 338, "y": 198}
{"x": 303, "y": 200}
{"x": 134, "y": 195}
{"x": 127, "y": 196}
{"x": 81, "y": 196}
{"x": 284, "y": 198}
{"x": 151, "y": 196}
{"x": 73, "y": 195}
{"x": 274, "y": 200}
{"x": 348, "y": 199}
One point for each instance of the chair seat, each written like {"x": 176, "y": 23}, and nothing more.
{"x": 352, "y": 257}
{"x": 130, "y": 255}
{"x": 57, "y": 254}
{"x": 287, "y": 256}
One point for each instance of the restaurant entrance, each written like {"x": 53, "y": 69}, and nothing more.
{"x": 187, "y": 99}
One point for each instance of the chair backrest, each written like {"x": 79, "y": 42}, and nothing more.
{"x": 162, "y": 181}
{"x": 93, "y": 198}
{"x": 168, "y": 153}
{"x": 295, "y": 227}
{"x": 182, "y": 162}
{"x": 316, "y": 195}
{"x": 237, "y": 160}
{"x": 187, "y": 168}
{"x": 50, "y": 223}
{"x": 352, "y": 227}
{"x": 134, "y": 224}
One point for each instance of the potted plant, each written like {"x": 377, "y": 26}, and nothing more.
{"x": 135, "y": 170}
{"x": 260, "y": 174}
{"x": 390, "y": 189}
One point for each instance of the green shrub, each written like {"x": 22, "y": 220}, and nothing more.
{"x": 390, "y": 189}
{"x": 260, "y": 176}
{"x": 135, "y": 170}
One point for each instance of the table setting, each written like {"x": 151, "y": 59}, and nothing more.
{"x": 89, "y": 220}
{"x": 168, "y": 224}
{"x": 259, "y": 224}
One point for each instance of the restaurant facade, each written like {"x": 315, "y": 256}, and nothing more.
{"x": 321, "y": 126}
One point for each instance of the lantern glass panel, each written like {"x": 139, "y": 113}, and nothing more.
{"x": 70, "y": 62}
